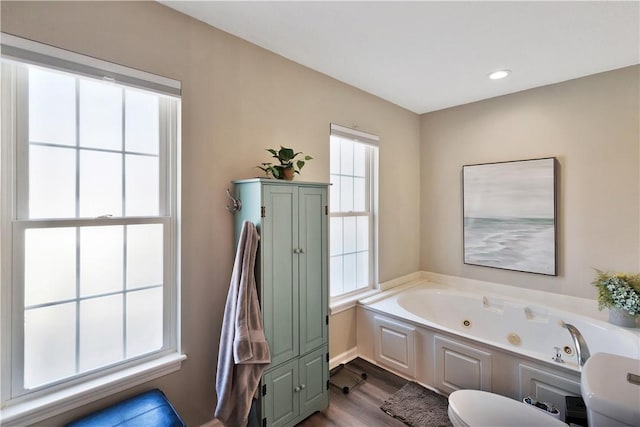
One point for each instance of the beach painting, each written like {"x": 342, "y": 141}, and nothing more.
{"x": 510, "y": 215}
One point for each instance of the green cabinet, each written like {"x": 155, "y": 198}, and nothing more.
{"x": 292, "y": 277}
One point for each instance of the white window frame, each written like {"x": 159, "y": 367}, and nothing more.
{"x": 17, "y": 405}
{"x": 347, "y": 299}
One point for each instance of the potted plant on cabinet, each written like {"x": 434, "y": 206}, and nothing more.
{"x": 620, "y": 293}
{"x": 287, "y": 166}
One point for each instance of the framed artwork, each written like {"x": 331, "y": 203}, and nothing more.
{"x": 509, "y": 215}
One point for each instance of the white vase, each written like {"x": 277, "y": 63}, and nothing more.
{"x": 621, "y": 318}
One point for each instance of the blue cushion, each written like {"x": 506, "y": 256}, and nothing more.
{"x": 149, "y": 409}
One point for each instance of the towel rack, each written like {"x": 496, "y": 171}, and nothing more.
{"x": 236, "y": 205}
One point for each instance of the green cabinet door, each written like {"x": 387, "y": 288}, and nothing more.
{"x": 280, "y": 289}
{"x": 312, "y": 261}
{"x": 314, "y": 381}
{"x": 280, "y": 403}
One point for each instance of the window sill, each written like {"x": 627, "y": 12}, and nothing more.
{"x": 343, "y": 303}
{"x": 340, "y": 304}
{"x": 33, "y": 410}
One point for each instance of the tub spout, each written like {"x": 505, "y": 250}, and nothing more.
{"x": 582, "y": 350}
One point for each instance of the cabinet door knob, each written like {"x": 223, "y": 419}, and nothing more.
{"x": 302, "y": 386}
{"x": 296, "y": 250}
{"x": 301, "y": 250}
{"x": 297, "y": 389}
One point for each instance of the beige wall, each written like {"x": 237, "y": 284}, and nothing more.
{"x": 342, "y": 332}
{"x": 238, "y": 99}
{"x": 591, "y": 125}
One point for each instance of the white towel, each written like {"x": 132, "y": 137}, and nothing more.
{"x": 244, "y": 352}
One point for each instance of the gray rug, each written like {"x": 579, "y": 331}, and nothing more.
{"x": 416, "y": 406}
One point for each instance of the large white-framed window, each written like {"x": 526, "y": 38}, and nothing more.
{"x": 90, "y": 226}
{"x": 353, "y": 228}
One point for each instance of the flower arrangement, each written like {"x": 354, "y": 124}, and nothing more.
{"x": 618, "y": 291}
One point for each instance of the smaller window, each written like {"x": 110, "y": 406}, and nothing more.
{"x": 353, "y": 172}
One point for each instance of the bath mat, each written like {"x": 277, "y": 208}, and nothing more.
{"x": 417, "y": 406}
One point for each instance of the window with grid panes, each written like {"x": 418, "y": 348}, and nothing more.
{"x": 91, "y": 203}
{"x": 353, "y": 174}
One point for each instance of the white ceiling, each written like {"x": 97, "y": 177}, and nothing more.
{"x": 427, "y": 56}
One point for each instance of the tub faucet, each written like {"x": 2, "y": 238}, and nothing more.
{"x": 582, "y": 350}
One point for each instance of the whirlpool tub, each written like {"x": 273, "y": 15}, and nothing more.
{"x": 495, "y": 338}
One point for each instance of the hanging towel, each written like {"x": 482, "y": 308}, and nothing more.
{"x": 244, "y": 352}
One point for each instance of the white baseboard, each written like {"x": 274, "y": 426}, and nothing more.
{"x": 345, "y": 357}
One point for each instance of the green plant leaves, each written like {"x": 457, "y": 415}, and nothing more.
{"x": 286, "y": 157}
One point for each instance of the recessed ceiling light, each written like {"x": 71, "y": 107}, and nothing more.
{"x": 500, "y": 74}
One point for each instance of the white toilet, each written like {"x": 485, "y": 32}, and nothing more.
{"x": 475, "y": 408}
{"x": 610, "y": 398}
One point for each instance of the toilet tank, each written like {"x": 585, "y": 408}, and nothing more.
{"x": 610, "y": 392}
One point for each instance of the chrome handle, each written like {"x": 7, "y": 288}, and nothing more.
{"x": 301, "y": 250}
{"x": 297, "y": 389}
{"x": 302, "y": 386}
{"x": 296, "y": 251}
{"x": 557, "y": 357}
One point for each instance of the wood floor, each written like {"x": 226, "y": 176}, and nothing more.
{"x": 361, "y": 406}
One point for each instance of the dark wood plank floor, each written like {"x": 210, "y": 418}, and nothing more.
{"x": 361, "y": 406}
